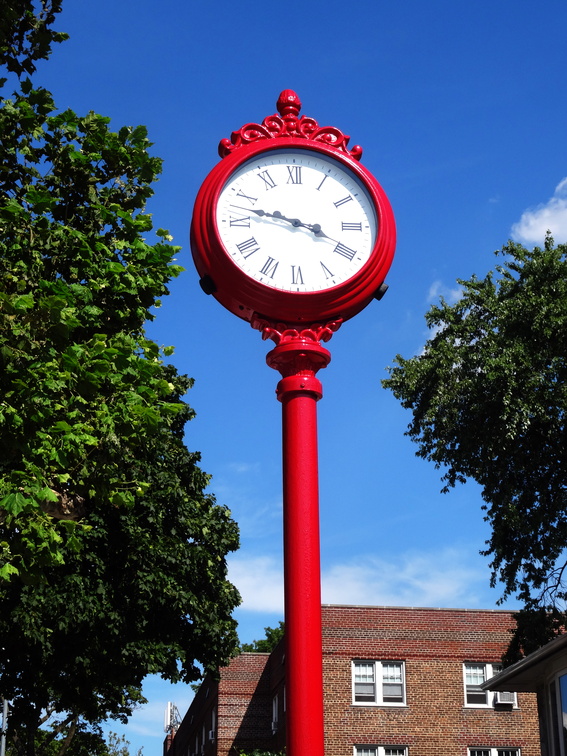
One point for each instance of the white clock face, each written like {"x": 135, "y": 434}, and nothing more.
{"x": 297, "y": 220}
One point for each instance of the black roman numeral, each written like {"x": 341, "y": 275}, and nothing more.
{"x": 294, "y": 176}
{"x": 269, "y": 182}
{"x": 243, "y": 221}
{"x": 251, "y": 200}
{"x": 296, "y": 275}
{"x": 342, "y": 201}
{"x": 341, "y": 249}
{"x": 325, "y": 177}
{"x": 248, "y": 247}
{"x": 351, "y": 226}
{"x": 326, "y": 271}
{"x": 269, "y": 267}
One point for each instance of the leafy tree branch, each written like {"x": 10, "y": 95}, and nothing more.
{"x": 112, "y": 553}
{"x": 489, "y": 401}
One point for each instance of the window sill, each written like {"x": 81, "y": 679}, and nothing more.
{"x": 367, "y": 704}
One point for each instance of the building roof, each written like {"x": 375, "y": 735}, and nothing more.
{"x": 529, "y": 673}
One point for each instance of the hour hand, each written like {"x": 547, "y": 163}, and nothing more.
{"x": 315, "y": 228}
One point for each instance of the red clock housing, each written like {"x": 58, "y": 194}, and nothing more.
{"x": 249, "y": 298}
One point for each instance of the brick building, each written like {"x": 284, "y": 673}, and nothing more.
{"x": 398, "y": 682}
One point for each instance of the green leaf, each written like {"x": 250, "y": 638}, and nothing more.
{"x": 14, "y": 503}
{"x": 23, "y": 302}
{"x": 7, "y": 570}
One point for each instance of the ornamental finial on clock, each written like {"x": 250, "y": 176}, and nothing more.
{"x": 288, "y": 105}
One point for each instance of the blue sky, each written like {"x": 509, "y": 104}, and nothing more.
{"x": 461, "y": 111}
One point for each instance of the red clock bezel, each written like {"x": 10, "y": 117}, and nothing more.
{"x": 251, "y": 300}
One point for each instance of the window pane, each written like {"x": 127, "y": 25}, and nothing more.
{"x": 479, "y": 752}
{"x": 394, "y": 752}
{"x": 475, "y": 674}
{"x": 364, "y": 692}
{"x": 393, "y": 693}
{"x": 364, "y": 683}
{"x": 366, "y": 752}
{"x": 507, "y": 752}
{"x": 392, "y": 672}
{"x": 364, "y": 673}
{"x": 476, "y": 696}
{"x": 392, "y": 682}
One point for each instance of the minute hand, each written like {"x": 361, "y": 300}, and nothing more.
{"x": 315, "y": 228}
{"x": 276, "y": 214}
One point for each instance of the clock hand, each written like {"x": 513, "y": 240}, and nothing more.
{"x": 250, "y": 210}
{"x": 276, "y": 214}
{"x": 315, "y": 228}
{"x": 294, "y": 221}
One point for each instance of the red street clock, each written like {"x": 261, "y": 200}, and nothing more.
{"x": 289, "y": 227}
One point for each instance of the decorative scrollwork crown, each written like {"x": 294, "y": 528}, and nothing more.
{"x": 288, "y": 124}
{"x": 280, "y": 333}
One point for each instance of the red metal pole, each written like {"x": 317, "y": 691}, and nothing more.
{"x": 299, "y": 390}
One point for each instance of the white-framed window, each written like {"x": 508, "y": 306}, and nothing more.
{"x": 380, "y": 750}
{"x": 494, "y": 752}
{"x": 380, "y": 683}
{"x": 477, "y": 673}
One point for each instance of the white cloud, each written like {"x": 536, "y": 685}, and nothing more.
{"x": 439, "y": 289}
{"x": 550, "y": 216}
{"x": 412, "y": 579}
{"x": 260, "y": 582}
{"x": 441, "y": 578}
{"x": 244, "y": 467}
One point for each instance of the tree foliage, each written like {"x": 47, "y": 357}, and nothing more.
{"x": 489, "y": 402}
{"x": 26, "y": 34}
{"x": 112, "y": 556}
{"x": 81, "y": 385}
{"x": 86, "y": 741}
{"x": 267, "y": 644}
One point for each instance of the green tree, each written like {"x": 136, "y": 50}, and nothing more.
{"x": 26, "y": 35}
{"x": 267, "y": 644}
{"x": 489, "y": 401}
{"x": 112, "y": 556}
{"x": 85, "y": 741}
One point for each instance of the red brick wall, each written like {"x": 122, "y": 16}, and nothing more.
{"x": 434, "y": 644}
{"x": 245, "y": 704}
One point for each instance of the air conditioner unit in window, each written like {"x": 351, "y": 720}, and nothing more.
{"x": 211, "y": 734}
{"x": 505, "y": 697}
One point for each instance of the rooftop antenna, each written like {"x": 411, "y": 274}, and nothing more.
{"x": 172, "y": 719}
